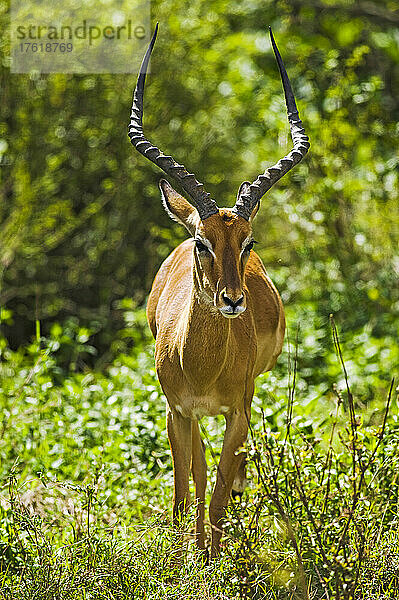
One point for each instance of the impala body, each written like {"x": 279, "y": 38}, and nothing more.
{"x": 216, "y": 316}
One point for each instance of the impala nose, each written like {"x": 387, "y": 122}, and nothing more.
{"x": 231, "y": 306}
{"x": 231, "y": 302}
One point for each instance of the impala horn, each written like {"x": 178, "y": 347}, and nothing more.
{"x": 252, "y": 193}
{"x": 202, "y": 200}
{"x": 249, "y": 194}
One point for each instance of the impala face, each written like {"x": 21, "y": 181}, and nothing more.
{"x": 222, "y": 245}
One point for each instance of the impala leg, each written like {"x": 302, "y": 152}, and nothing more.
{"x": 199, "y": 470}
{"x": 240, "y": 480}
{"x": 234, "y": 437}
{"x": 179, "y": 434}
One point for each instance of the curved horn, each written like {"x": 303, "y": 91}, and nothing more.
{"x": 202, "y": 200}
{"x": 247, "y": 201}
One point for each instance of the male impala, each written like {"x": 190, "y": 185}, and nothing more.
{"x": 217, "y": 318}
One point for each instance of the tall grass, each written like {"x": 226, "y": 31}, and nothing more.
{"x": 319, "y": 519}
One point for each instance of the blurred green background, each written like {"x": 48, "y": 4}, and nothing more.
{"x": 82, "y": 228}
{"x": 83, "y": 231}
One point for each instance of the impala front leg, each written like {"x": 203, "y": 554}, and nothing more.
{"x": 179, "y": 434}
{"x": 234, "y": 437}
{"x": 199, "y": 470}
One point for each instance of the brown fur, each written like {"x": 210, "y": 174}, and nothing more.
{"x": 207, "y": 363}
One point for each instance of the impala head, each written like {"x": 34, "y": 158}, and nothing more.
{"x": 222, "y": 238}
{"x": 221, "y": 247}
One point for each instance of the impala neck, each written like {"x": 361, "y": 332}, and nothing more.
{"x": 202, "y": 322}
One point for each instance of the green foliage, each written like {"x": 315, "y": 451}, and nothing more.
{"x": 65, "y": 425}
{"x": 151, "y": 562}
{"x": 310, "y": 523}
{"x": 86, "y": 482}
{"x": 380, "y": 576}
{"x": 81, "y": 222}
{"x": 84, "y": 464}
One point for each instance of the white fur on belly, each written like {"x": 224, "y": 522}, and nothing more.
{"x": 201, "y": 406}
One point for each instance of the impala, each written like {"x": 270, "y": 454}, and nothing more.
{"x": 217, "y": 318}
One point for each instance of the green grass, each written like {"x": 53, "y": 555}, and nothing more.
{"x": 86, "y": 481}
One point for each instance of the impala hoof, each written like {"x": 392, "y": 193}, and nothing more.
{"x": 236, "y": 495}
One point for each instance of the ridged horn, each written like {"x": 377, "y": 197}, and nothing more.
{"x": 247, "y": 201}
{"x": 201, "y": 199}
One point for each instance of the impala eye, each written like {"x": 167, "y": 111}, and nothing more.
{"x": 249, "y": 246}
{"x": 201, "y": 246}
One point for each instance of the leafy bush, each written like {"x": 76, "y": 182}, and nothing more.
{"x": 81, "y": 221}
{"x": 87, "y": 484}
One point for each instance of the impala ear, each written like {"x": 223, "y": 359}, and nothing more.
{"x": 178, "y": 208}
